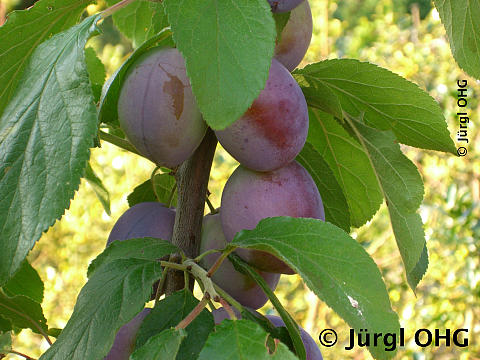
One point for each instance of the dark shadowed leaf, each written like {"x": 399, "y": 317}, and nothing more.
{"x": 164, "y": 185}
{"x": 26, "y": 281}
{"x": 5, "y": 324}
{"x": 23, "y": 313}
{"x": 168, "y": 313}
{"x": 96, "y": 72}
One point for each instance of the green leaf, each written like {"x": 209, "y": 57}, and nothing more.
{"x": 23, "y": 313}
{"x": 112, "y": 297}
{"x": 163, "y": 346}
{"x": 164, "y": 185}
{"x": 334, "y": 201}
{"x": 142, "y": 249}
{"x": 140, "y": 20}
{"x": 5, "y": 341}
{"x": 461, "y": 19}
{"x": 386, "y": 100}
{"x": 350, "y": 164}
{"x": 241, "y": 340}
{"x": 291, "y": 325}
{"x": 227, "y": 46}
{"x": 398, "y": 176}
{"x": 54, "y": 332}
{"x": 402, "y": 187}
{"x": 334, "y": 266}
{"x": 281, "y": 19}
{"x": 108, "y": 112}
{"x": 409, "y": 234}
{"x": 45, "y": 135}
{"x": 26, "y": 281}
{"x": 168, "y": 313}
{"x": 5, "y": 324}
{"x": 319, "y": 95}
{"x": 280, "y": 333}
{"x": 24, "y": 31}
{"x": 98, "y": 187}
{"x": 96, "y": 72}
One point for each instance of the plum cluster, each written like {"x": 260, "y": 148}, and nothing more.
{"x": 158, "y": 113}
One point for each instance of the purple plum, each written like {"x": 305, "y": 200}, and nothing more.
{"x": 221, "y": 314}
{"x": 250, "y": 196}
{"x": 273, "y": 130}
{"x": 238, "y": 285}
{"x": 279, "y": 6}
{"x": 295, "y": 37}
{"x": 311, "y": 348}
{"x": 147, "y": 219}
{"x": 124, "y": 342}
{"x": 157, "y": 109}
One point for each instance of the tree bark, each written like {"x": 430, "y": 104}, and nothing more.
{"x": 192, "y": 181}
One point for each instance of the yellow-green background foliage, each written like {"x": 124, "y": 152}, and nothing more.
{"x": 384, "y": 33}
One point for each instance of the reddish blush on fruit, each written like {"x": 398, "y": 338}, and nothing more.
{"x": 250, "y": 196}
{"x": 274, "y": 129}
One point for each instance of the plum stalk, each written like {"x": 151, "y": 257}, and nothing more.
{"x": 192, "y": 180}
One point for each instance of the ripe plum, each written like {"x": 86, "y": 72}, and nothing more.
{"x": 295, "y": 37}
{"x": 124, "y": 342}
{"x": 157, "y": 109}
{"x": 279, "y": 6}
{"x": 147, "y": 219}
{"x": 250, "y": 196}
{"x": 273, "y": 130}
{"x": 311, "y": 348}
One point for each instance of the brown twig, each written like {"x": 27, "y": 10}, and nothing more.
{"x": 194, "y": 313}
{"x": 228, "y": 309}
{"x": 19, "y": 354}
{"x": 217, "y": 263}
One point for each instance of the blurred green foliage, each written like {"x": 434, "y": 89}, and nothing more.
{"x": 385, "y": 33}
